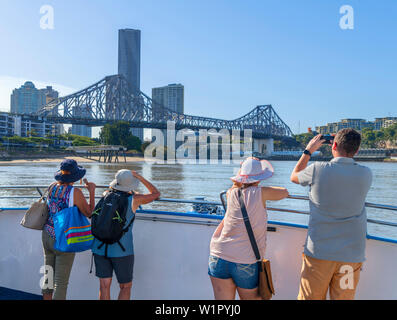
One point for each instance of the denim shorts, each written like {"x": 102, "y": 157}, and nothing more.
{"x": 245, "y": 276}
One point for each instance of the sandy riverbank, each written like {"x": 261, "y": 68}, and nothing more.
{"x": 59, "y": 159}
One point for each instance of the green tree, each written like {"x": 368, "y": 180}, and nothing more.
{"x": 368, "y": 138}
{"x": 119, "y": 133}
{"x": 304, "y": 138}
{"x": 79, "y": 140}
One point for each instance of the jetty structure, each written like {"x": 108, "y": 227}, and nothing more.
{"x": 104, "y": 153}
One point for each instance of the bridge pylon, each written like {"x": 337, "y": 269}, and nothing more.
{"x": 263, "y": 147}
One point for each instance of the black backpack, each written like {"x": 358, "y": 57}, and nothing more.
{"x": 109, "y": 218}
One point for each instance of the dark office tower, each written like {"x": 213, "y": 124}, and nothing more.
{"x": 130, "y": 63}
{"x": 130, "y": 56}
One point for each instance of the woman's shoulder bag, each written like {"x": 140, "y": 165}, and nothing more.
{"x": 37, "y": 215}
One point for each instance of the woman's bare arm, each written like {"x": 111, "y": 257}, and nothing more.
{"x": 273, "y": 194}
{"x": 140, "y": 199}
{"x": 81, "y": 202}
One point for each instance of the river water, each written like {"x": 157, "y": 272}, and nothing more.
{"x": 187, "y": 181}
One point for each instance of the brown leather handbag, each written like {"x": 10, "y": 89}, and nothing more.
{"x": 265, "y": 286}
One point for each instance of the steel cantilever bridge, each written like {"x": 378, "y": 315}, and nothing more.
{"x": 112, "y": 99}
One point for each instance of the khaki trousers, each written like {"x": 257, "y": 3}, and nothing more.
{"x": 61, "y": 264}
{"x": 317, "y": 276}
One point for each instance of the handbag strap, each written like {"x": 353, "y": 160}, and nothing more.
{"x": 48, "y": 192}
{"x": 248, "y": 226}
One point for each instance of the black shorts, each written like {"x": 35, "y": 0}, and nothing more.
{"x": 122, "y": 266}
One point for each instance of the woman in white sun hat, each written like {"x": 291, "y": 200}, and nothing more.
{"x": 232, "y": 263}
{"x": 119, "y": 258}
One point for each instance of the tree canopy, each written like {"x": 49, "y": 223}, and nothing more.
{"x": 119, "y": 133}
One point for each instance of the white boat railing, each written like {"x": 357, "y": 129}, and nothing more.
{"x": 213, "y": 203}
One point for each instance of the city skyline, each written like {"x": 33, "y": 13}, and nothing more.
{"x": 309, "y": 69}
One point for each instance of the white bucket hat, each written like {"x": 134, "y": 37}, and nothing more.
{"x": 124, "y": 181}
{"x": 253, "y": 170}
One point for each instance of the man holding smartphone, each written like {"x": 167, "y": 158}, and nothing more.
{"x": 335, "y": 245}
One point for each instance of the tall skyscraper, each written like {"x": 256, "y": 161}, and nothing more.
{"x": 171, "y": 97}
{"x": 130, "y": 63}
{"x": 28, "y": 99}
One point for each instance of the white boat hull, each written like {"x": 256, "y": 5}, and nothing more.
{"x": 171, "y": 261}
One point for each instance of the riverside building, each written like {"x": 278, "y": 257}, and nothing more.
{"x": 357, "y": 124}
{"x": 17, "y": 125}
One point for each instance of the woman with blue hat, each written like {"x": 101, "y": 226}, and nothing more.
{"x": 232, "y": 263}
{"x": 61, "y": 195}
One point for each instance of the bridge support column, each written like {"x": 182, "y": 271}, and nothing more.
{"x": 263, "y": 146}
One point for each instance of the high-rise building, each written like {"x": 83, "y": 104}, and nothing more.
{"x": 49, "y": 94}
{"x": 28, "y": 99}
{"x": 81, "y": 130}
{"x": 171, "y": 97}
{"x": 130, "y": 63}
{"x": 130, "y": 57}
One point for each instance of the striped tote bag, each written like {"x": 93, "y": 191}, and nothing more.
{"x": 72, "y": 231}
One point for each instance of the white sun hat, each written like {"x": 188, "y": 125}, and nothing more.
{"x": 124, "y": 181}
{"x": 253, "y": 170}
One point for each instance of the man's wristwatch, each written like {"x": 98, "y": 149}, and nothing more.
{"x": 307, "y": 152}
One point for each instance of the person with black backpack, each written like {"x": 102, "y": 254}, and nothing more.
{"x": 111, "y": 225}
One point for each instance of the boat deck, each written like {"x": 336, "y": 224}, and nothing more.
{"x": 171, "y": 250}
{"x": 10, "y": 294}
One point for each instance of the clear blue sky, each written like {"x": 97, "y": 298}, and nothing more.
{"x": 230, "y": 55}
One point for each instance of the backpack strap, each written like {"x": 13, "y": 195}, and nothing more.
{"x": 92, "y": 261}
{"x": 106, "y": 248}
{"x": 121, "y": 246}
{"x": 129, "y": 225}
{"x": 125, "y": 230}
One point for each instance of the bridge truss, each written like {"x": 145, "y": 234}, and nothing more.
{"x": 111, "y": 99}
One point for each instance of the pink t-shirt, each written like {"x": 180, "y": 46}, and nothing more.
{"x": 230, "y": 240}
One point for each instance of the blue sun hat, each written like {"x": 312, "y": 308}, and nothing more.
{"x": 69, "y": 171}
{"x": 253, "y": 170}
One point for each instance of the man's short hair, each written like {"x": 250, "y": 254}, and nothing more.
{"x": 348, "y": 141}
